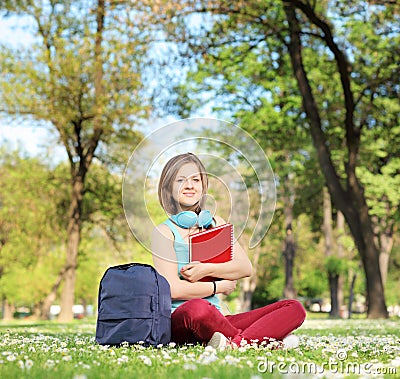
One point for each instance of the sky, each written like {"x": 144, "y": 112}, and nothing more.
{"x": 32, "y": 138}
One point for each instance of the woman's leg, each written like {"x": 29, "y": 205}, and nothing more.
{"x": 196, "y": 321}
{"x": 276, "y": 321}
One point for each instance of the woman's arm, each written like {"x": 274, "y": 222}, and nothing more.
{"x": 164, "y": 258}
{"x": 239, "y": 267}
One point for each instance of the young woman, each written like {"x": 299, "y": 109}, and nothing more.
{"x": 196, "y": 313}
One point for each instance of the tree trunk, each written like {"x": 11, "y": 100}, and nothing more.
{"x": 8, "y": 310}
{"x": 289, "y": 250}
{"x": 383, "y": 229}
{"x": 386, "y": 245}
{"x": 36, "y": 311}
{"x": 74, "y": 233}
{"x": 85, "y": 308}
{"x": 340, "y": 254}
{"x": 289, "y": 253}
{"x": 84, "y": 154}
{"x": 333, "y": 277}
{"x": 51, "y": 297}
{"x": 351, "y": 201}
{"x": 334, "y": 288}
{"x": 248, "y": 285}
{"x": 46, "y": 305}
{"x": 246, "y": 293}
{"x": 351, "y": 294}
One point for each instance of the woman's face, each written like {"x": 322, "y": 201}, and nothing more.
{"x": 187, "y": 187}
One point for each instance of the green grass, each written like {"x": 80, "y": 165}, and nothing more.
{"x": 328, "y": 347}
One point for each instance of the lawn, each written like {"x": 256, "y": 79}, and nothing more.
{"x": 351, "y": 348}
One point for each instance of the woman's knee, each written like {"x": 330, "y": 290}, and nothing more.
{"x": 295, "y": 308}
{"x": 195, "y": 309}
{"x": 298, "y": 309}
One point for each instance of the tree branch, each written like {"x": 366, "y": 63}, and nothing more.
{"x": 352, "y": 132}
{"x": 310, "y": 106}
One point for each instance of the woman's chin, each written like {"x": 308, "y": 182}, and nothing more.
{"x": 188, "y": 201}
{"x": 187, "y": 207}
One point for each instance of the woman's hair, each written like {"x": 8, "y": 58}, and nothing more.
{"x": 168, "y": 176}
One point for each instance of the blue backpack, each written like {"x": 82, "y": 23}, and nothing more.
{"x": 134, "y": 305}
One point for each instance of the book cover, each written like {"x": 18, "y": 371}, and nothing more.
{"x": 213, "y": 245}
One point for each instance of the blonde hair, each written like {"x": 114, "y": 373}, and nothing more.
{"x": 168, "y": 176}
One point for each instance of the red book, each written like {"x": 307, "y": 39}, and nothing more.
{"x": 213, "y": 245}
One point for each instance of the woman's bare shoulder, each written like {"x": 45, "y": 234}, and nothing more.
{"x": 162, "y": 230}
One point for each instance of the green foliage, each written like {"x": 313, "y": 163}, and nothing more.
{"x": 243, "y": 70}
{"x": 34, "y": 202}
{"x": 335, "y": 266}
{"x": 83, "y": 77}
{"x": 275, "y": 288}
{"x": 310, "y": 278}
{"x": 30, "y": 230}
{"x": 392, "y": 288}
{"x": 27, "y": 286}
{"x": 53, "y": 80}
{"x": 313, "y": 285}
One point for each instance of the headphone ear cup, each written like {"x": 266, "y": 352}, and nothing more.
{"x": 185, "y": 219}
{"x": 205, "y": 219}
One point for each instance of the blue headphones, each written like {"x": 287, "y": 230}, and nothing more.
{"x": 187, "y": 219}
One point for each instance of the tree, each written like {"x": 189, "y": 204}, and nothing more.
{"x": 350, "y": 200}
{"x": 334, "y": 263}
{"x": 83, "y": 78}
{"x": 338, "y": 84}
{"x": 31, "y": 231}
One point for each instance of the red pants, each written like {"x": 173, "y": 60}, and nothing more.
{"x": 196, "y": 320}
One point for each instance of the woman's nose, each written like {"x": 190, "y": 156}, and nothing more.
{"x": 189, "y": 183}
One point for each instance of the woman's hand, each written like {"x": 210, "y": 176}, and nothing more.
{"x": 225, "y": 286}
{"x": 194, "y": 271}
